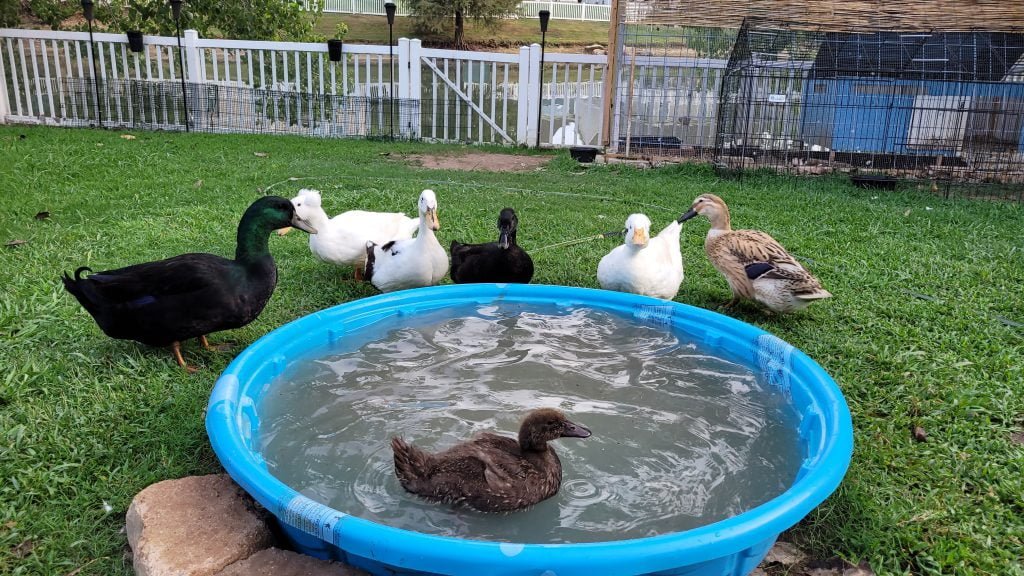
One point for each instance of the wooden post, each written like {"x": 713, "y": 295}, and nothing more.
{"x": 610, "y": 74}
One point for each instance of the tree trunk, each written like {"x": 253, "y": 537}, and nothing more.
{"x": 460, "y": 31}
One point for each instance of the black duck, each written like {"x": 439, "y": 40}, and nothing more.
{"x": 491, "y": 473}
{"x": 501, "y": 261}
{"x": 189, "y": 296}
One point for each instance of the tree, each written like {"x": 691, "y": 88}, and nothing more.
{"x": 434, "y": 15}
{"x": 236, "y": 19}
{"x": 9, "y": 13}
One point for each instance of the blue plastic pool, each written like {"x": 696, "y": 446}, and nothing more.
{"x": 731, "y": 547}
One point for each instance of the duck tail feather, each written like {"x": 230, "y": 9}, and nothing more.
{"x": 410, "y": 462}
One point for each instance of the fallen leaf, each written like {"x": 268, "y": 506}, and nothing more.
{"x": 13, "y": 243}
{"x": 261, "y": 154}
{"x": 42, "y": 215}
{"x": 198, "y": 184}
{"x": 99, "y": 144}
{"x": 127, "y": 137}
{"x": 907, "y": 213}
{"x": 24, "y": 549}
{"x": 10, "y": 524}
{"x": 919, "y": 434}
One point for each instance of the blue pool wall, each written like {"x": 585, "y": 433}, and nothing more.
{"x": 731, "y": 547}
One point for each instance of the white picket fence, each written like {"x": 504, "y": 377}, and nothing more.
{"x": 591, "y": 12}
{"x": 250, "y": 86}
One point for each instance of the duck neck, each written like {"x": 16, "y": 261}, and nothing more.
{"x": 425, "y": 231}
{"x": 253, "y": 242}
{"x": 720, "y": 221}
{"x": 528, "y": 443}
{"x": 319, "y": 219}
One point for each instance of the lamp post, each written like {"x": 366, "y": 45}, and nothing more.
{"x": 88, "y": 13}
{"x": 176, "y": 12}
{"x": 390, "y": 9}
{"x": 544, "y": 15}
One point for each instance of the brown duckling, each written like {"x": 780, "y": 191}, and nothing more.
{"x": 491, "y": 473}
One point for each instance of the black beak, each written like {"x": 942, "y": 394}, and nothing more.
{"x": 687, "y": 216}
{"x": 571, "y": 430}
{"x": 503, "y": 238}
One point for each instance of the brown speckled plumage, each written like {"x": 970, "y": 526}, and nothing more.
{"x": 490, "y": 473}
{"x": 754, "y": 264}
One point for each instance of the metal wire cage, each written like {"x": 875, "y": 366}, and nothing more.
{"x": 939, "y": 107}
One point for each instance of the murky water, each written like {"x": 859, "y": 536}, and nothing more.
{"x": 681, "y": 438}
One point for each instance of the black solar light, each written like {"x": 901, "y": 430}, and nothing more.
{"x": 544, "y": 15}
{"x": 87, "y": 6}
{"x": 176, "y": 13}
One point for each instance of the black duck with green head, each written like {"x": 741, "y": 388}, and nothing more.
{"x": 189, "y": 296}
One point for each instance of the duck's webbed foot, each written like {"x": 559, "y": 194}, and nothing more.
{"x": 222, "y": 347}
{"x": 358, "y": 272}
{"x": 176, "y": 350}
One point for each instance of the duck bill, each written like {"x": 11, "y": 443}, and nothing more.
{"x": 686, "y": 216}
{"x": 572, "y": 430}
{"x": 640, "y": 237}
{"x": 432, "y": 222}
{"x": 503, "y": 239}
{"x": 302, "y": 225}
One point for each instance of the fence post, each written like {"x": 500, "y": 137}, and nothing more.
{"x": 5, "y": 105}
{"x": 190, "y": 40}
{"x": 523, "y": 98}
{"x": 415, "y": 87}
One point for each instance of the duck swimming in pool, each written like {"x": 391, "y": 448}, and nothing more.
{"x": 491, "y": 473}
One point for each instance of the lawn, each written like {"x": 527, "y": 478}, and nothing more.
{"x": 368, "y": 29}
{"x": 926, "y": 327}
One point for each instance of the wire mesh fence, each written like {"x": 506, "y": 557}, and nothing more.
{"x": 668, "y": 88}
{"x": 942, "y": 108}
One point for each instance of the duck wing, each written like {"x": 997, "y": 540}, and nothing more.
{"x": 763, "y": 258}
{"x": 133, "y": 285}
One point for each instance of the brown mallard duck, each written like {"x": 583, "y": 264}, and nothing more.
{"x": 491, "y": 473}
{"x": 754, "y": 264}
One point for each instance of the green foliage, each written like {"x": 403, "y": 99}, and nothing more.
{"x": 439, "y": 16}
{"x": 53, "y": 12}
{"x": 235, "y": 19}
{"x": 340, "y": 31}
{"x": 9, "y": 13}
{"x": 925, "y": 327}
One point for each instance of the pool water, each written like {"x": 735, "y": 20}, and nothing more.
{"x": 681, "y": 438}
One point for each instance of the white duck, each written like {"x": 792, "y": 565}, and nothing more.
{"x": 411, "y": 262}
{"x": 342, "y": 240}
{"x": 644, "y": 265}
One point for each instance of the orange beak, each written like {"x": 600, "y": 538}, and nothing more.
{"x": 640, "y": 237}
{"x": 432, "y": 219}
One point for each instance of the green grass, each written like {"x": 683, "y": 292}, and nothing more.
{"x": 367, "y": 29}
{"x": 925, "y": 327}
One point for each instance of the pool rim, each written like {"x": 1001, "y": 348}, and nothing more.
{"x": 413, "y": 550}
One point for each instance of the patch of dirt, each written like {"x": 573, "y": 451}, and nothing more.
{"x": 1017, "y": 437}
{"x": 479, "y": 161}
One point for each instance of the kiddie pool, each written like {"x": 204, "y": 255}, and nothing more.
{"x": 731, "y": 547}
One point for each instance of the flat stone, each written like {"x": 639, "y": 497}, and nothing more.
{"x": 277, "y": 562}
{"x": 194, "y": 526}
{"x": 784, "y": 553}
